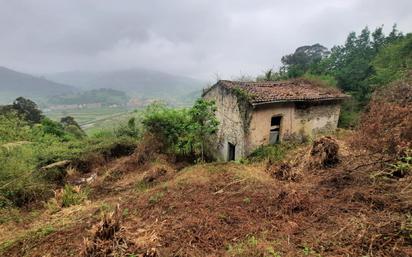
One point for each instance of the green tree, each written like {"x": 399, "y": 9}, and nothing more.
{"x": 304, "y": 57}
{"x": 69, "y": 120}
{"x": 28, "y": 110}
{"x": 72, "y": 127}
{"x": 203, "y": 123}
{"x": 393, "y": 61}
{"x": 351, "y": 63}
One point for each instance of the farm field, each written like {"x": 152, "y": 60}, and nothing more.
{"x": 94, "y": 119}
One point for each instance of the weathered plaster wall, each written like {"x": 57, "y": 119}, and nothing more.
{"x": 297, "y": 121}
{"x": 230, "y": 123}
{"x": 315, "y": 119}
{"x": 259, "y": 129}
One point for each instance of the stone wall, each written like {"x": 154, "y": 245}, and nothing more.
{"x": 231, "y": 125}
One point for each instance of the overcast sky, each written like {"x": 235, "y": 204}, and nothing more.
{"x": 196, "y": 38}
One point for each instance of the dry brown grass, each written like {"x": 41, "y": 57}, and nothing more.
{"x": 386, "y": 126}
{"x": 239, "y": 210}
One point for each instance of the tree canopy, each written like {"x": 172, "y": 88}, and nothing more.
{"x": 303, "y": 59}
{"x": 363, "y": 63}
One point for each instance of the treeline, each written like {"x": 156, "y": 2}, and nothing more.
{"x": 103, "y": 95}
{"x": 363, "y": 63}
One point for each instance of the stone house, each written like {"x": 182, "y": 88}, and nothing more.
{"x": 252, "y": 114}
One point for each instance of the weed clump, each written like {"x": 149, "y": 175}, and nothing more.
{"x": 70, "y": 195}
{"x": 109, "y": 239}
{"x": 106, "y": 239}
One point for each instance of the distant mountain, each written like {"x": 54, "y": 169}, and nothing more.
{"x": 136, "y": 82}
{"x": 14, "y": 84}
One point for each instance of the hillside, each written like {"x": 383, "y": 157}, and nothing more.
{"x": 225, "y": 210}
{"x": 127, "y": 193}
{"x": 138, "y": 82}
{"x": 14, "y": 84}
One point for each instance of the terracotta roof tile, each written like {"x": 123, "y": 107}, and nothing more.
{"x": 284, "y": 91}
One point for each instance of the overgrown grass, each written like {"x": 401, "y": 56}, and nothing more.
{"x": 271, "y": 153}
{"x": 73, "y": 195}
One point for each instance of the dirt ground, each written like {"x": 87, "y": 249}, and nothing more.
{"x": 231, "y": 209}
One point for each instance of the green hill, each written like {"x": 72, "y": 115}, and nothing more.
{"x": 14, "y": 84}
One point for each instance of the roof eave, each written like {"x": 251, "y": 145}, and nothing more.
{"x": 300, "y": 100}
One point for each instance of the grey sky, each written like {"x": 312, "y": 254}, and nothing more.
{"x": 197, "y": 38}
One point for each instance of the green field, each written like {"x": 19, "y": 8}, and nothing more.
{"x": 95, "y": 119}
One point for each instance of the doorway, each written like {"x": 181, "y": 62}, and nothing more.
{"x": 231, "y": 152}
{"x": 274, "y": 136}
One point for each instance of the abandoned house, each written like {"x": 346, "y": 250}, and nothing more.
{"x": 252, "y": 114}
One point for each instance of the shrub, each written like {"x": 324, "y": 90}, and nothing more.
{"x": 13, "y": 128}
{"x": 322, "y": 80}
{"x": 77, "y": 132}
{"x": 27, "y": 147}
{"x": 19, "y": 185}
{"x": 52, "y": 127}
{"x": 169, "y": 126}
{"x": 183, "y": 132}
{"x": 130, "y": 129}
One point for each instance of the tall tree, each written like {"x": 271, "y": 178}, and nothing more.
{"x": 302, "y": 59}
{"x": 28, "y": 110}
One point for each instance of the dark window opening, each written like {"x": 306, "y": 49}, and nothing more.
{"x": 275, "y": 121}
{"x": 275, "y": 129}
{"x": 231, "y": 152}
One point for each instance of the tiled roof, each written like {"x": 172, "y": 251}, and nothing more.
{"x": 284, "y": 91}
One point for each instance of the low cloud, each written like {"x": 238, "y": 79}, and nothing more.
{"x": 193, "y": 38}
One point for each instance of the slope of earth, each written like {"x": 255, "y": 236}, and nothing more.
{"x": 230, "y": 209}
